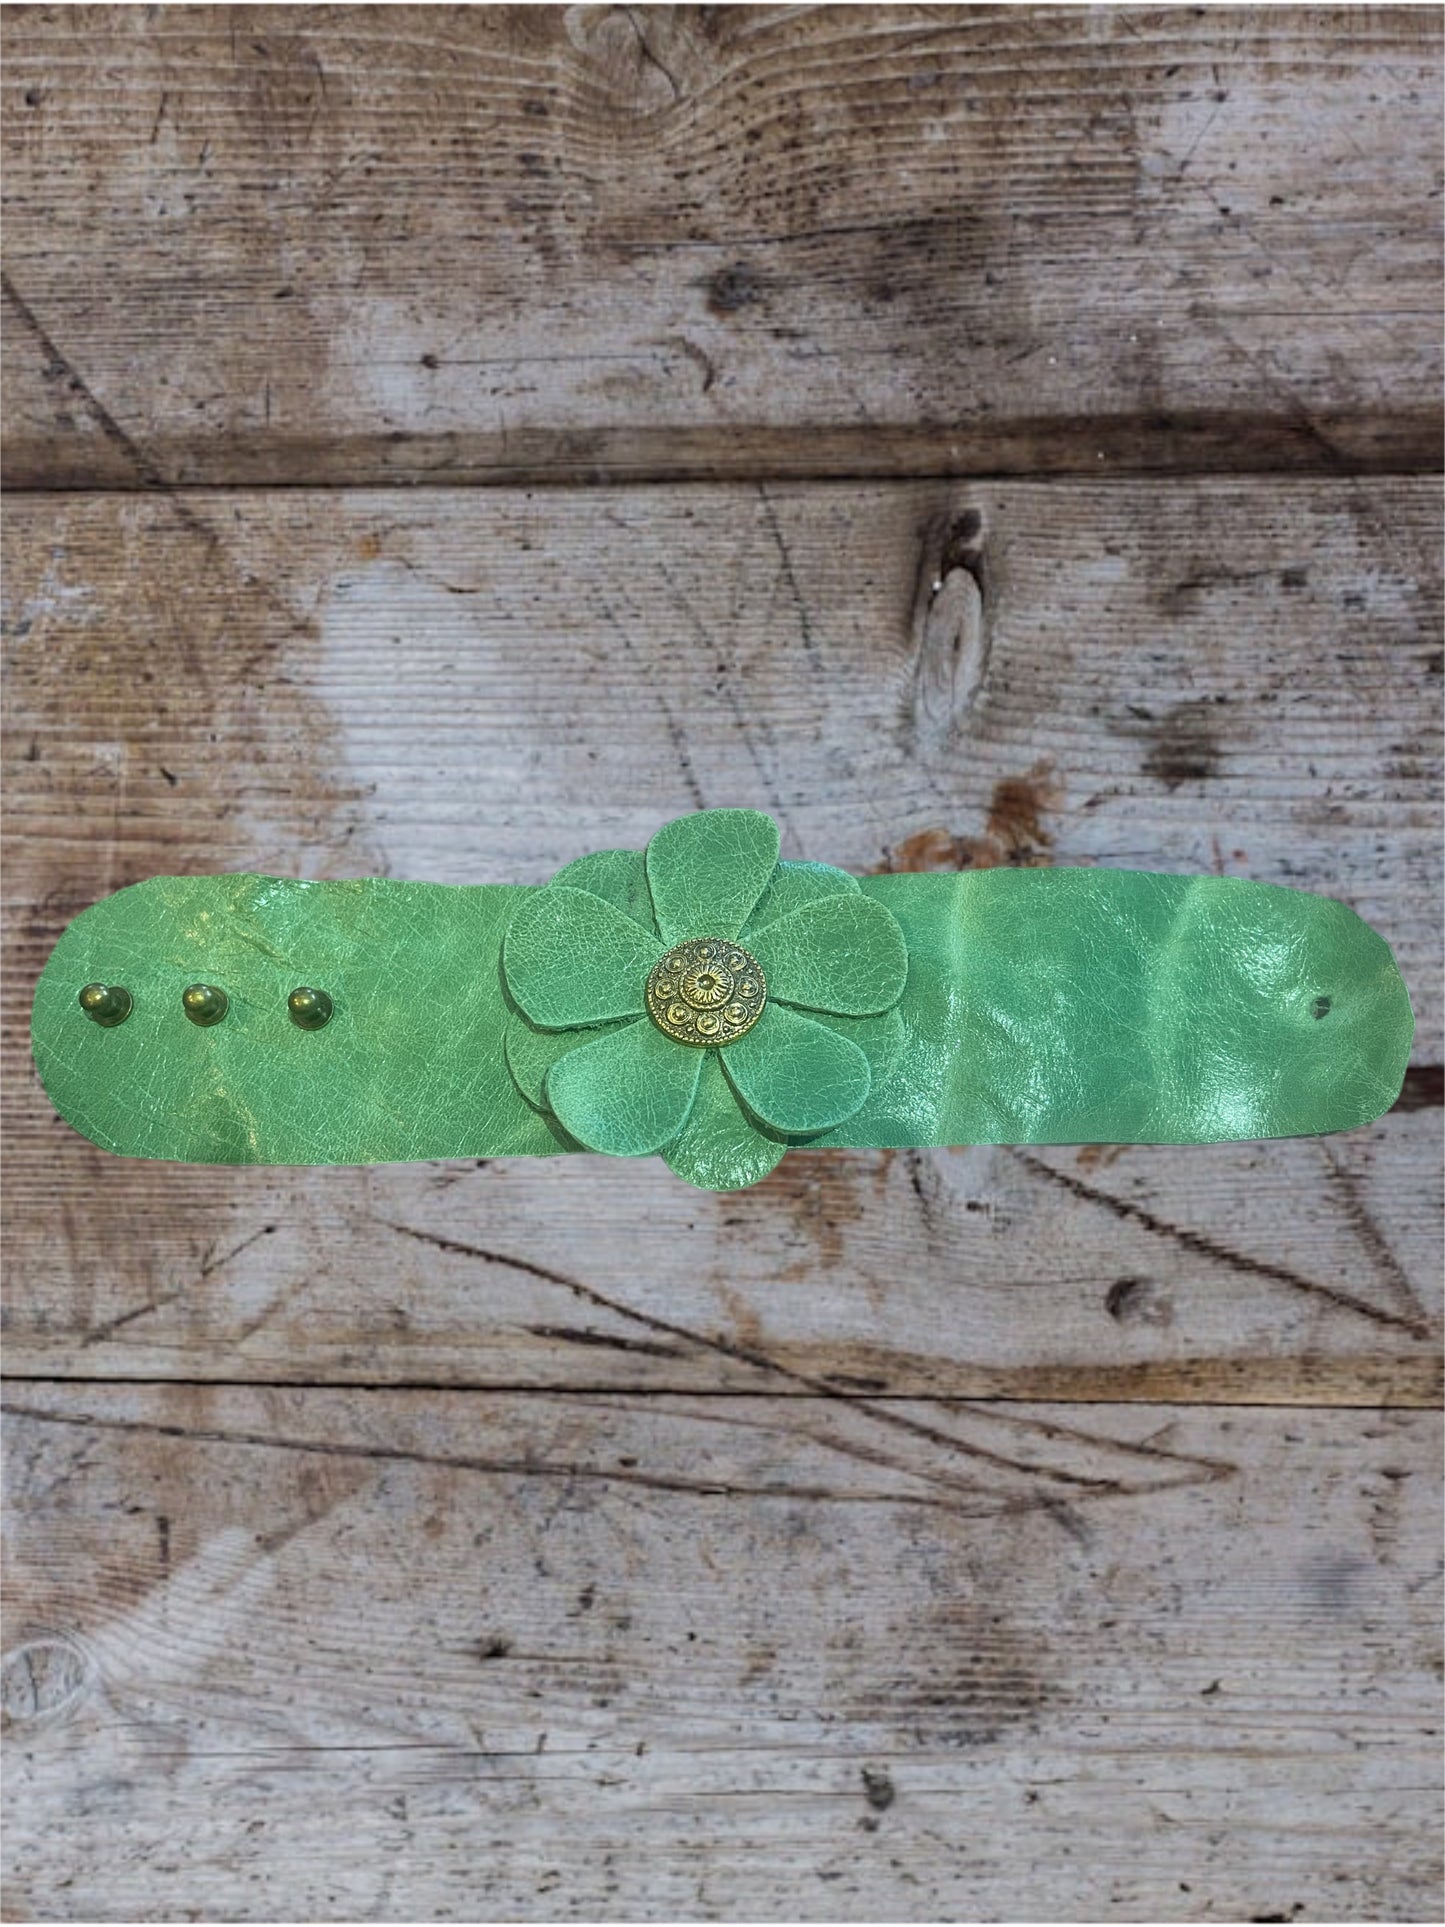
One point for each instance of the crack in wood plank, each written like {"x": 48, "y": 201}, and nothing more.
{"x": 1367, "y": 1229}
{"x": 1204, "y": 1247}
{"x": 1198, "y": 1470}
{"x": 952, "y": 1500}
{"x": 146, "y": 469}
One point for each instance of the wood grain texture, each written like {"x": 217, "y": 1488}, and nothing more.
{"x": 392, "y": 244}
{"x": 383, "y": 1656}
{"x": 1236, "y": 676}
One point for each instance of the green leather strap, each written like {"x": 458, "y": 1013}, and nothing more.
{"x": 1051, "y": 1006}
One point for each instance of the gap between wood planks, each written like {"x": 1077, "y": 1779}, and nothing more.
{"x": 1182, "y": 444}
{"x": 1427, "y": 1401}
{"x": 732, "y": 464}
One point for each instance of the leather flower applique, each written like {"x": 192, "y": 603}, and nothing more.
{"x": 702, "y": 999}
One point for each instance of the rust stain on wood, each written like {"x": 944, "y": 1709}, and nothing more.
{"x": 1015, "y": 834}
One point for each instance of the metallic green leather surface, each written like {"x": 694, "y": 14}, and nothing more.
{"x": 1076, "y": 1006}
{"x": 1045, "y": 1006}
{"x": 410, "y": 1066}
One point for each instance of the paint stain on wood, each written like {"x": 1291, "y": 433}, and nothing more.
{"x": 1098, "y": 1157}
{"x": 821, "y": 1202}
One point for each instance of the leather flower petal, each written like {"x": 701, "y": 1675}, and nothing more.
{"x": 576, "y": 961}
{"x": 795, "y": 1074}
{"x": 627, "y": 1092}
{"x": 571, "y": 959}
{"x": 532, "y": 1052}
{"x": 707, "y": 871}
{"x": 844, "y": 954}
{"x": 793, "y": 885}
{"x": 879, "y": 1038}
{"x": 718, "y": 1148}
{"x": 618, "y": 875}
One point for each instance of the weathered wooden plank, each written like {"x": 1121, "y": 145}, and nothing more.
{"x": 1232, "y": 676}
{"x": 591, "y": 1658}
{"x": 1301, "y": 1273}
{"x": 482, "y": 242}
{"x": 440, "y": 685}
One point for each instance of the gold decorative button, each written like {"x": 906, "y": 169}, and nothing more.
{"x": 706, "y": 992}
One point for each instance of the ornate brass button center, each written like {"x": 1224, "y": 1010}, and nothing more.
{"x": 706, "y": 992}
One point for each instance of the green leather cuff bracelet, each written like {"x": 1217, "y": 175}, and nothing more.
{"x": 706, "y": 1001}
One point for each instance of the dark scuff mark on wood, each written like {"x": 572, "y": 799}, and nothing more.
{"x": 974, "y": 1676}
{"x": 1184, "y": 744}
{"x": 734, "y": 288}
{"x": 1348, "y": 1190}
{"x": 1423, "y": 1088}
{"x": 1138, "y": 1301}
{"x": 878, "y": 1788}
{"x": 822, "y": 1207}
{"x": 566, "y": 1471}
{"x": 147, "y": 471}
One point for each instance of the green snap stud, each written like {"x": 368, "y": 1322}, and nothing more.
{"x": 310, "y": 1009}
{"x": 106, "y": 1004}
{"x": 204, "y": 1004}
